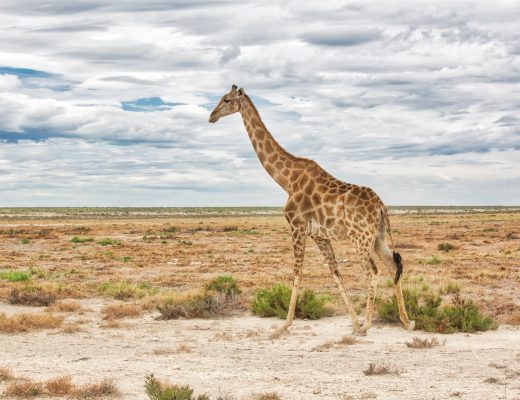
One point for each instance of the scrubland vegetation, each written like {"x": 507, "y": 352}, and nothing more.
{"x": 82, "y": 275}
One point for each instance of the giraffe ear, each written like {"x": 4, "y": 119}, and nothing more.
{"x": 240, "y": 91}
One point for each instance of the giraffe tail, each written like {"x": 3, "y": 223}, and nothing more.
{"x": 384, "y": 215}
{"x": 395, "y": 255}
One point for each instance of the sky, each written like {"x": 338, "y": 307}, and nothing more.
{"x": 106, "y": 103}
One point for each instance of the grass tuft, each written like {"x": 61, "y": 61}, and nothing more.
{"x": 61, "y": 386}
{"x": 199, "y": 305}
{"x": 101, "y": 390}
{"x": 418, "y": 343}
{"x": 31, "y": 296}
{"x": 157, "y": 390}
{"x": 24, "y": 389}
{"x": 6, "y": 375}
{"x": 25, "y": 322}
{"x": 381, "y": 369}
{"x": 77, "y": 239}
{"x": 118, "y": 311}
{"x": 445, "y": 247}
{"x": 108, "y": 242}
{"x": 15, "y": 276}
{"x": 275, "y": 302}
{"x": 434, "y": 260}
{"x": 124, "y": 290}
{"x": 268, "y": 396}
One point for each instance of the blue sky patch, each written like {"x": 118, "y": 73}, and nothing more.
{"x": 33, "y": 78}
{"x": 148, "y": 104}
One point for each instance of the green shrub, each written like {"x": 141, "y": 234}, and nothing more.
{"x": 77, "y": 239}
{"x": 274, "y": 302}
{"x": 124, "y": 290}
{"x": 425, "y": 309}
{"x": 25, "y": 241}
{"x": 464, "y": 316}
{"x": 157, "y": 391}
{"x": 108, "y": 242}
{"x": 445, "y": 247}
{"x": 226, "y": 285}
{"x": 15, "y": 276}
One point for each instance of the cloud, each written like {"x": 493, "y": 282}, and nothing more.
{"x": 340, "y": 36}
{"x": 423, "y": 93}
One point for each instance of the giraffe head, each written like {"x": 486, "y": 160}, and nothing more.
{"x": 229, "y": 104}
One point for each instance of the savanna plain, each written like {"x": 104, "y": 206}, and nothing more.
{"x": 98, "y": 303}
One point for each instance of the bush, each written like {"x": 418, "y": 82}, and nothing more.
{"x": 159, "y": 391}
{"x": 464, "y": 316}
{"x": 275, "y": 302}
{"x": 424, "y": 308}
{"x": 225, "y": 285}
{"x": 203, "y": 305}
{"x": 445, "y": 247}
{"x": 31, "y": 296}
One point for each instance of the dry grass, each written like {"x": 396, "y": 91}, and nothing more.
{"x": 72, "y": 328}
{"x": 31, "y": 296}
{"x": 184, "y": 348}
{"x": 381, "y": 369}
{"x": 119, "y": 311}
{"x": 24, "y": 389}
{"x": 513, "y": 318}
{"x": 26, "y": 322}
{"x": 268, "y": 396}
{"x": 344, "y": 341}
{"x": 6, "y": 375}
{"x": 67, "y": 307}
{"x": 60, "y": 387}
{"x": 112, "y": 324}
{"x": 418, "y": 343}
{"x": 102, "y": 390}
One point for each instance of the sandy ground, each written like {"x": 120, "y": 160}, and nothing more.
{"x": 236, "y": 357}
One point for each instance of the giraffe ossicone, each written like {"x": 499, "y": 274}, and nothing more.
{"x": 323, "y": 208}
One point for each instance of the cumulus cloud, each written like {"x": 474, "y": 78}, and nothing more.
{"x": 424, "y": 98}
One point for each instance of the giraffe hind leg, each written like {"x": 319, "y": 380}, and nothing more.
{"x": 393, "y": 261}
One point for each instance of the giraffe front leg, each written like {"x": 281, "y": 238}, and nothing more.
{"x": 373, "y": 274}
{"x": 299, "y": 250}
{"x": 327, "y": 251}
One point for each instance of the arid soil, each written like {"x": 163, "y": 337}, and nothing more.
{"x": 233, "y": 356}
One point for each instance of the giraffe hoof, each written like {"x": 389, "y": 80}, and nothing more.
{"x": 279, "y": 332}
{"x": 411, "y": 326}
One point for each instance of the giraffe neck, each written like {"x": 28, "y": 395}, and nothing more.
{"x": 276, "y": 160}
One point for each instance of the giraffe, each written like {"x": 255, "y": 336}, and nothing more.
{"x": 323, "y": 208}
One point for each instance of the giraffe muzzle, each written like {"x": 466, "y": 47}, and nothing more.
{"x": 213, "y": 118}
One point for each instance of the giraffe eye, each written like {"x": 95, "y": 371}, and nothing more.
{"x": 227, "y": 101}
